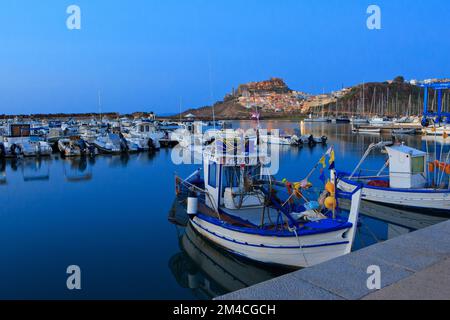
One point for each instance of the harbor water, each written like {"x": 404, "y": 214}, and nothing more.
{"x": 109, "y": 215}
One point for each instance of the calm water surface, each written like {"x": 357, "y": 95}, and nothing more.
{"x": 109, "y": 216}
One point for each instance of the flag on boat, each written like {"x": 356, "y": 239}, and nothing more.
{"x": 332, "y": 156}
{"x": 332, "y": 160}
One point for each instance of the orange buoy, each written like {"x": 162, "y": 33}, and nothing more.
{"x": 330, "y": 188}
{"x": 431, "y": 167}
{"x": 447, "y": 169}
{"x": 330, "y": 203}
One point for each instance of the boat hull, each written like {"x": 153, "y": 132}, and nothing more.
{"x": 425, "y": 199}
{"x": 285, "y": 251}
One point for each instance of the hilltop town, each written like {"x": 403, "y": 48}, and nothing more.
{"x": 274, "y": 99}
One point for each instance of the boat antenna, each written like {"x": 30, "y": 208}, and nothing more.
{"x": 211, "y": 94}
{"x": 181, "y": 102}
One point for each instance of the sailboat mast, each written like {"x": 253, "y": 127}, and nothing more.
{"x": 100, "y": 105}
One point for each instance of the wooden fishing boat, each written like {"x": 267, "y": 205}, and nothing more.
{"x": 239, "y": 207}
{"x": 408, "y": 184}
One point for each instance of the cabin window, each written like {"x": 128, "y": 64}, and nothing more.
{"x": 212, "y": 175}
{"x": 147, "y": 128}
{"x": 418, "y": 165}
{"x": 230, "y": 178}
{"x": 141, "y": 128}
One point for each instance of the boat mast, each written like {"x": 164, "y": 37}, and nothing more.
{"x": 211, "y": 95}
{"x": 363, "y": 102}
{"x": 100, "y": 105}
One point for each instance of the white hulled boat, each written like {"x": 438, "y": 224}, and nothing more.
{"x": 408, "y": 184}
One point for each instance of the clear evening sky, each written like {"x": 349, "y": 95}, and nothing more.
{"x": 146, "y": 54}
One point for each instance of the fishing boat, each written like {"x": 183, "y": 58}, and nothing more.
{"x": 238, "y": 206}
{"x": 210, "y": 271}
{"x": 408, "y": 183}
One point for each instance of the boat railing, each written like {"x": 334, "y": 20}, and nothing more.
{"x": 192, "y": 187}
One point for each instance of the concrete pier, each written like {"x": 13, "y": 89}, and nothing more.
{"x": 413, "y": 266}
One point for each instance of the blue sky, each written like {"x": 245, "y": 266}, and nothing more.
{"x": 148, "y": 54}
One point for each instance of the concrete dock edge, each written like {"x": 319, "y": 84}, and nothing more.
{"x": 413, "y": 266}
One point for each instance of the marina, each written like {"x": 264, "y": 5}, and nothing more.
{"x": 211, "y": 159}
{"x": 69, "y": 193}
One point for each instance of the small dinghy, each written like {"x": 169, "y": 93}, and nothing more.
{"x": 404, "y": 131}
{"x": 311, "y": 140}
{"x": 282, "y": 140}
{"x": 69, "y": 147}
{"x": 240, "y": 208}
{"x": 74, "y": 147}
{"x": 364, "y": 129}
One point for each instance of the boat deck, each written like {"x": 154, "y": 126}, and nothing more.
{"x": 245, "y": 217}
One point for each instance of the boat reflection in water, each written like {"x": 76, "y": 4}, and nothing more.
{"x": 35, "y": 169}
{"x": 77, "y": 169}
{"x": 379, "y": 223}
{"x": 208, "y": 270}
{"x": 3, "y": 179}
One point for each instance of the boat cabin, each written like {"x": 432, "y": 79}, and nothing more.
{"x": 407, "y": 167}
{"x": 229, "y": 169}
{"x": 19, "y": 130}
{"x": 145, "y": 127}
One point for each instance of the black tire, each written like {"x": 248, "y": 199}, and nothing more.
{"x": 150, "y": 144}
{"x": 2, "y": 151}
{"x": 14, "y": 148}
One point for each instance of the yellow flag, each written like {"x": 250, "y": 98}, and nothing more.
{"x": 332, "y": 157}
{"x": 322, "y": 162}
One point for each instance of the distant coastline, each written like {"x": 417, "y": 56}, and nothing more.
{"x": 273, "y": 100}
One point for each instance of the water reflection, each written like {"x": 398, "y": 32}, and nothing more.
{"x": 120, "y": 210}
{"x": 35, "y": 169}
{"x": 379, "y": 223}
{"x": 210, "y": 271}
{"x": 77, "y": 169}
{"x": 74, "y": 169}
{"x": 3, "y": 179}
